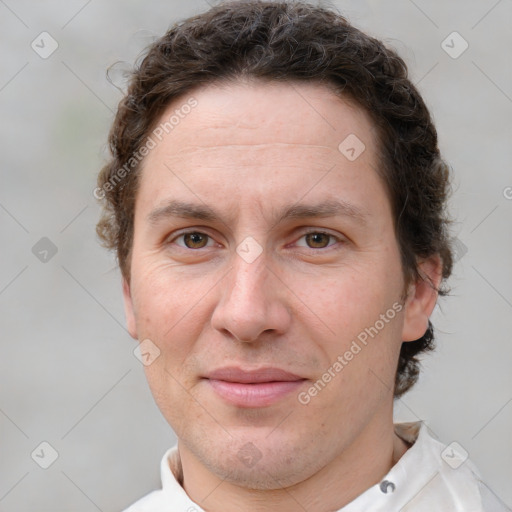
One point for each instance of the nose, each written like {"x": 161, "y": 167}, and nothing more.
{"x": 252, "y": 302}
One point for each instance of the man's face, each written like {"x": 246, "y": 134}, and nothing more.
{"x": 265, "y": 284}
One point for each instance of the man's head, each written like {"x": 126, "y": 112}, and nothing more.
{"x": 249, "y": 127}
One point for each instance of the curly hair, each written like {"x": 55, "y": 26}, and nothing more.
{"x": 291, "y": 41}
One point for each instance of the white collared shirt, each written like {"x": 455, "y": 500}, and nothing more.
{"x": 429, "y": 477}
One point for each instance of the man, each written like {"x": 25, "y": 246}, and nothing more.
{"x": 276, "y": 198}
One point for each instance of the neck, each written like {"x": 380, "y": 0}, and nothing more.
{"x": 363, "y": 463}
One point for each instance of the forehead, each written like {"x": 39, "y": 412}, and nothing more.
{"x": 238, "y": 136}
{"x": 256, "y": 111}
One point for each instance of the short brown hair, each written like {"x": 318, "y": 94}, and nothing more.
{"x": 291, "y": 41}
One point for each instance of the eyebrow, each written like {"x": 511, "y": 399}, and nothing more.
{"x": 327, "y": 208}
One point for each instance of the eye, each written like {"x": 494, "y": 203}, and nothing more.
{"x": 318, "y": 239}
{"x": 193, "y": 240}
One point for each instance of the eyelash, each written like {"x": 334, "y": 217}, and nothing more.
{"x": 311, "y": 231}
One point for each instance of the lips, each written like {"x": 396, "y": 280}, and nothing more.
{"x": 253, "y": 388}
{"x": 233, "y": 374}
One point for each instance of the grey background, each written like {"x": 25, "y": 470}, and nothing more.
{"x": 68, "y": 375}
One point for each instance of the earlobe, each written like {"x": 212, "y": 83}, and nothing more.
{"x": 128, "y": 310}
{"x": 421, "y": 299}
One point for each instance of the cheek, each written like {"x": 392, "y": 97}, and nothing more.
{"x": 171, "y": 314}
{"x": 170, "y": 392}
{"x": 163, "y": 293}
{"x": 360, "y": 370}
{"x": 362, "y": 321}
{"x": 170, "y": 310}
{"x": 349, "y": 300}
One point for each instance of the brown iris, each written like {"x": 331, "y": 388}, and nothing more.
{"x": 198, "y": 240}
{"x": 316, "y": 239}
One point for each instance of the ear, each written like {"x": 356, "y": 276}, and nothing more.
{"x": 128, "y": 310}
{"x": 421, "y": 299}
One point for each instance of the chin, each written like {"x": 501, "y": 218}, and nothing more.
{"x": 259, "y": 462}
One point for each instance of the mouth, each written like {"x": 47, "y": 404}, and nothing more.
{"x": 253, "y": 388}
